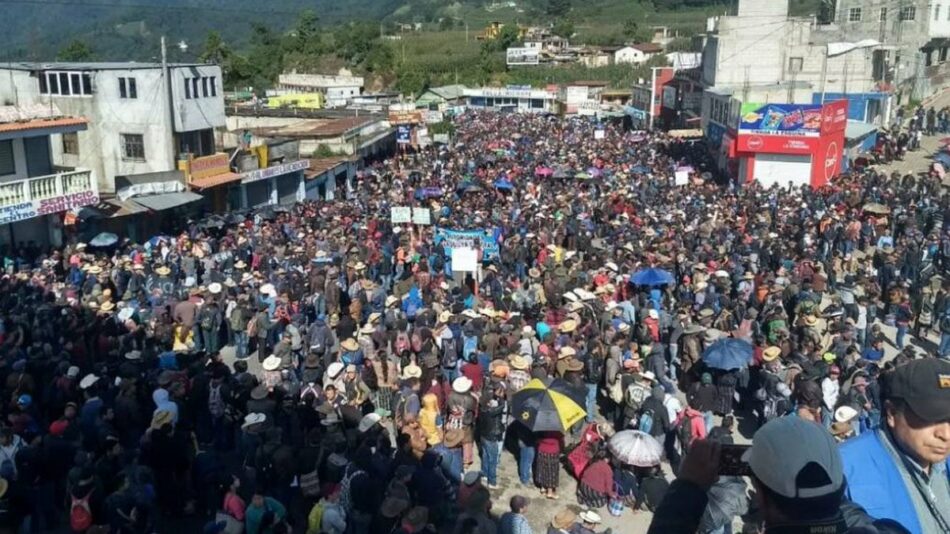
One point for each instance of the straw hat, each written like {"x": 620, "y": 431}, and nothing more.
{"x": 471, "y": 314}
{"x": 161, "y": 418}
{"x": 568, "y": 326}
{"x": 163, "y": 271}
{"x": 334, "y": 369}
{"x": 95, "y": 269}
{"x": 271, "y": 363}
{"x": 253, "y": 419}
{"x": 612, "y": 266}
{"x": 240, "y": 264}
{"x": 566, "y": 352}
{"x": 518, "y": 362}
{"x": 350, "y": 344}
{"x": 590, "y": 516}
{"x": 810, "y": 320}
{"x": 214, "y": 288}
{"x": 107, "y": 306}
{"x": 445, "y": 316}
{"x": 712, "y": 334}
{"x": 391, "y": 300}
{"x": 564, "y": 519}
{"x": 845, "y": 414}
{"x": 411, "y": 371}
{"x": 771, "y": 353}
{"x": 573, "y": 364}
{"x": 534, "y": 272}
{"x": 367, "y": 329}
{"x": 462, "y": 384}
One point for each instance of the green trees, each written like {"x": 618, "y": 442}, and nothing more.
{"x": 558, "y": 8}
{"x": 76, "y": 50}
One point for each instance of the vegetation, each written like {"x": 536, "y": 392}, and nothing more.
{"x": 76, "y": 50}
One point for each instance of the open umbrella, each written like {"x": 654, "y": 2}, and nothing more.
{"x": 156, "y": 241}
{"x": 105, "y": 239}
{"x": 544, "y": 172}
{"x": 875, "y": 208}
{"x": 635, "y": 447}
{"x": 652, "y": 277}
{"x": 582, "y": 176}
{"x": 504, "y": 184}
{"x": 728, "y": 353}
{"x": 552, "y": 405}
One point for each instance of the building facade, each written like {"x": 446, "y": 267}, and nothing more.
{"x": 136, "y": 123}
{"x": 337, "y": 91}
{"x": 35, "y": 194}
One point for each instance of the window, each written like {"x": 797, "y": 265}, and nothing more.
{"x": 7, "y": 163}
{"x": 127, "y": 88}
{"x": 194, "y": 88}
{"x": 187, "y": 89}
{"x": 795, "y": 64}
{"x": 854, "y": 14}
{"x": 204, "y": 86}
{"x": 883, "y": 15}
{"x": 214, "y": 86}
{"x": 71, "y": 143}
{"x": 133, "y": 146}
{"x": 937, "y": 12}
{"x": 65, "y": 83}
{"x": 908, "y": 13}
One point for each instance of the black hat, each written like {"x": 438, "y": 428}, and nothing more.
{"x": 924, "y": 385}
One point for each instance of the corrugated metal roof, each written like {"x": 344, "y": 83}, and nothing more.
{"x": 167, "y": 201}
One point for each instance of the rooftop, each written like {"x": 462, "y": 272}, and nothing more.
{"x": 315, "y": 128}
{"x": 126, "y": 65}
{"x": 32, "y": 117}
{"x": 648, "y": 48}
{"x": 319, "y": 166}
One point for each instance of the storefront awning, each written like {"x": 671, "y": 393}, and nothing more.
{"x": 168, "y": 200}
{"x": 936, "y": 43}
{"x": 110, "y": 208}
{"x": 215, "y": 180}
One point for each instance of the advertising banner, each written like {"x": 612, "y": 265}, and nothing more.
{"x": 781, "y": 119}
{"x": 834, "y": 116}
{"x": 403, "y": 134}
{"x": 400, "y": 214}
{"x": 405, "y": 117}
{"x": 776, "y": 144}
{"x": 484, "y": 239}
{"x": 523, "y": 56}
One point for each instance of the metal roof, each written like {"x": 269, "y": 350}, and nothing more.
{"x": 80, "y": 66}
{"x": 167, "y": 200}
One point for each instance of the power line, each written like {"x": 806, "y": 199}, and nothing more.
{"x": 100, "y": 3}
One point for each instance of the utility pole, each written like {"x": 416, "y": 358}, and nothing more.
{"x": 466, "y": 31}
{"x": 166, "y": 77}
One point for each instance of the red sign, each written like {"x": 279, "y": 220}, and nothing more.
{"x": 776, "y": 144}
{"x": 834, "y": 116}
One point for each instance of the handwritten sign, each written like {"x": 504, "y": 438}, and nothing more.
{"x": 400, "y": 214}
{"x": 452, "y": 239}
{"x": 464, "y": 260}
{"x": 421, "y": 216}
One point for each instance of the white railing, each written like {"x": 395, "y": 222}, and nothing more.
{"x": 46, "y": 187}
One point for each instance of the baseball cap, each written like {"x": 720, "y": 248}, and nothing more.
{"x": 924, "y": 385}
{"x": 795, "y": 458}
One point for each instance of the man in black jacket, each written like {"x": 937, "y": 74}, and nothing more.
{"x": 798, "y": 478}
{"x": 491, "y": 428}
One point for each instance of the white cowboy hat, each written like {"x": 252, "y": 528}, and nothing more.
{"x": 268, "y": 289}
{"x": 253, "y": 419}
{"x": 590, "y": 516}
{"x": 368, "y": 421}
{"x": 271, "y": 363}
{"x": 87, "y": 381}
{"x": 462, "y": 384}
{"x": 214, "y": 288}
{"x": 411, "y": 371}
{"x": 334, "y": 369}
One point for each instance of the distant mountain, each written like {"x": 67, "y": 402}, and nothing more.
{"x": 130, "y": 29}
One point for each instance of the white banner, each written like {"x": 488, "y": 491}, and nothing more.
{"x": 400, "y": 214}
{"x": 682, "y": 178}
{"x": 523, "y": 56}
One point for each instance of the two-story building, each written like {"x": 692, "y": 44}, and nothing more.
{"x": 35, "y": 194}
{"x": 151, "y": 130}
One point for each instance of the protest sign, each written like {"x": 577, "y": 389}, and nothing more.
{"x": 400, "y": 214}
{"x": 421, "y": 216}
{"x": 484, "y": 239}
{"x": 464, "y": 260}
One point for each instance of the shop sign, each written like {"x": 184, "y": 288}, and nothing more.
{"x": 405, "y": 117}
{"x": 403, "y": 134}
{"x": 834, "y": 116}
{"x": 277, "y": 170}
{"x": 208, "y": 166}
{"x": 781, "y": 119}
{"x": 36, "y": 208}
{"x": 776, "y": 144}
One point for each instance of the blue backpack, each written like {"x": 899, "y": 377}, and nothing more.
{"x": 469, "y": 346}
{"x": 646, "y": 421}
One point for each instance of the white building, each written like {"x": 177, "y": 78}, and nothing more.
{"x": 636, "y": 53}
{"x": 338, "y": 91}
{"x": 138, "y": 125}
{"x": 524, "y": 99}
{"x": 35, "y": 194}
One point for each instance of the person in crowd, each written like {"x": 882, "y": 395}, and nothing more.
{"x": 514, "y": 521}
{"x": 899, "y": 471}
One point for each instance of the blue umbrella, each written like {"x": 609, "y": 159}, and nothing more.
{"x": 652, "y": 277}
{"x": 728, "y": 353}
{"x": 504, "y": 184}
{"x": 105, "y": 239}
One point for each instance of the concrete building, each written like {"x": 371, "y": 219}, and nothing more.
{"x": 512, "y": 98}
{"x": 35, "y": 194}
{"x": 338, "y": 91}
{"x": 636, "y": 53}
{"x": 138, "y": 126}
{"x": 915, "y": 39}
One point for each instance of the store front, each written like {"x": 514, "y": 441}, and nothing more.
{"x": 790, "y": 145}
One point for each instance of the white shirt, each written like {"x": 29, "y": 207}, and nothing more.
{"x": 829, "y": 392}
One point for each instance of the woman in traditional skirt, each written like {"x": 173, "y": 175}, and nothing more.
{"x": 596, "y": 486}
{"x": 547, "y": 465}
{"x": 386, "y": 369}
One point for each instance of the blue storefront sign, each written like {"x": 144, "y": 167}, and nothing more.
{"x": 403, "y": 134}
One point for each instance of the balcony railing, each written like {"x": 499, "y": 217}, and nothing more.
{"x": 46, "y": 187}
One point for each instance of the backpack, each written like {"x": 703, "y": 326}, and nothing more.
{"x": 450, "y": 354}
{"x": 315, "y": 519}
{"x": 469, "y": 346}
{"x": 594, "y": 369}
{"x": 684, "y": 432}
{"x": 645, "y": 423}
{"x": 412, "y": 308}
{"x": 945, "y": 323}
{"x": 207, "y": 322}
{"x": 634, "y": 395}
{"x": 80, "y": 514}
{"x": 399, "y": 410}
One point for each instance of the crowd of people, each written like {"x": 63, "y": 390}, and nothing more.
{"x": 372, "y": 383}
